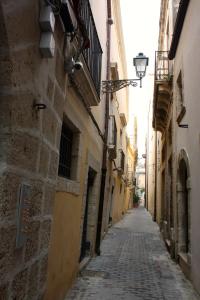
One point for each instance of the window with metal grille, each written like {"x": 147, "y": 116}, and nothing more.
{"x": 113, "y": 131}
{"x": 65, "y": 161}
{"x": 122, "y": 159}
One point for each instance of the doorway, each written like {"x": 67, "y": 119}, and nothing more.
{"x": 183, "y": 209}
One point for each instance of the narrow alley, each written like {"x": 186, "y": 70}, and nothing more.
{"x": 134, "y": 264}
{"x": 99, "y": 150}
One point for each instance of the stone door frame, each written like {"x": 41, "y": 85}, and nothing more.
{"x": 183, "y": 193}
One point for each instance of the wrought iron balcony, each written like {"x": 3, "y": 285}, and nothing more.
{"x": 93, "y": 54}
{"x": 162, "y": 65}
{"x": 162, "y": 90}
{"x": 84, "y": 48}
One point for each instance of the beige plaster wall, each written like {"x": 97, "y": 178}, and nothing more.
{"x": 119, "y": 104}
{"x": 187, "y": 60}
{"x": 64, "y": 246}
{"x": 150, "y": 163}
{"x": 118, "y": 55}
{"x": 118, "y": 203}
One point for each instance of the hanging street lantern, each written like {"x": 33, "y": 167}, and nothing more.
{"x": 140, "y": 63}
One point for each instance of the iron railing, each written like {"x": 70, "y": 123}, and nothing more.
{"x": 93, "y": 54}
{"x": 162, "y": 71}
{"x": 64, "y": 169}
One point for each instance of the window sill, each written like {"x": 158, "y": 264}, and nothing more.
{"x": 68, "y": 186}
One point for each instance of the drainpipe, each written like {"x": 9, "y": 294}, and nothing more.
{"x": 104, "y": 160}
{"x": 155, "y": 196}
{"x": 147, "y": 160}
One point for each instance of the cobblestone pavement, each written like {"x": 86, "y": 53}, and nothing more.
{"x": 134, "y": 264}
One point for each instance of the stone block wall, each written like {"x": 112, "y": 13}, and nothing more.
{"x": 29, "y": 146}
{"x": 29, "y": 154}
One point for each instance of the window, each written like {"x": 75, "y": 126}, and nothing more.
{"x": 112, "y": 138}
{"x": 70, "y": 156}
{"x": 121, "y": 160}
{"x": 112, "y": 131}
{"x": 65, "y": 161}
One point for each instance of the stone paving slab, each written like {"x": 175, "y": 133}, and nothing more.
{"x": 133, "y": 265}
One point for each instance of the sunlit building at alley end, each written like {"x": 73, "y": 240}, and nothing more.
{"x": 99, "y": 151}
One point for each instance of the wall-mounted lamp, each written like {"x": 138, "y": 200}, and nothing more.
{"x": 140, "y": 63}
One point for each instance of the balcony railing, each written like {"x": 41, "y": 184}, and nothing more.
{"x": 93, "y": 54}
{"x": 162, "y": 90}
{"x": 162, "y": 70}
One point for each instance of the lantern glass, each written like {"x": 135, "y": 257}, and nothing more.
{"x": 140, "y": 62}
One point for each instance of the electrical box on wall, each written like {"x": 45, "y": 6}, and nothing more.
{"x": 47, "y": 45}
{"x": 47, "y": 19}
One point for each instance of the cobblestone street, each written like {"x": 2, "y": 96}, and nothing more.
{"x": 134, "y": 264}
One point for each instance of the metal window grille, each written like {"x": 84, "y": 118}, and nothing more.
{"x": 65, "y": 160}
{"x": 122, "y": 159}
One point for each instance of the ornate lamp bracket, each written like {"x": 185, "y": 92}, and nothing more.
{"x": 112, "y": 86}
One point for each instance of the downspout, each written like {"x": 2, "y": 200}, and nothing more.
{"x": 104, "y": 159}
{"x": 155, "y": 126}
{"x": 155, "y": 196}
{"x": 147, "y": 161}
